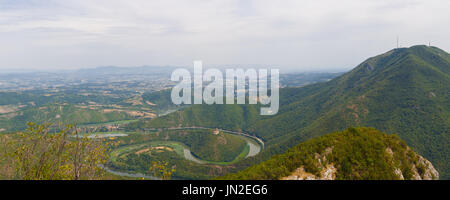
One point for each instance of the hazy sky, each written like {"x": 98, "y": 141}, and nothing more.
{"x": 308, "y": 35}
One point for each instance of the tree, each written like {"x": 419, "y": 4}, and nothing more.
{"x": 161, "y": 170}
{"x": 64, "y": 155}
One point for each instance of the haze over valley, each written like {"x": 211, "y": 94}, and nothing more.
{"x": 224, "y": 89}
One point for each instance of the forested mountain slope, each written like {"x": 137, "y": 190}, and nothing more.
{"x": 404, "y": 91}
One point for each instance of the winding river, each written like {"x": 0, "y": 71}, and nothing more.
{"x": 254, "y": 148}
{"x": 255, "y": 145}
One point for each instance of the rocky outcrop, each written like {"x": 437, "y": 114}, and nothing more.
{"x": 327, "y": 172}
{"x": 420, "y": 168}
{"x": 424, "y": 170}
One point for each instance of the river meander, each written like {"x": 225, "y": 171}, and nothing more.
{"x": 254, "y": 148}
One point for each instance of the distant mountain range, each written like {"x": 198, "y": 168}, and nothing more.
{"x": 403, "y": 91}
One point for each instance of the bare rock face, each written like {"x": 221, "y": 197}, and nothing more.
{"x": 328, "y": 171}
{"x": 424, "y": 170}
{"x": 300, "y": 174}
{"x": 399, "y": 173}
{"x": 421, "y": 169}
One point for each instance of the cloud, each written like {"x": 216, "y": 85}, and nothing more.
{"x": 306, "y": 34}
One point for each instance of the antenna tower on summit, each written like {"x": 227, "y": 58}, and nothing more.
{"x": 397, "y": 41}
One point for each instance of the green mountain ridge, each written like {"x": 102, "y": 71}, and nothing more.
{"x": 353, "y": 154}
